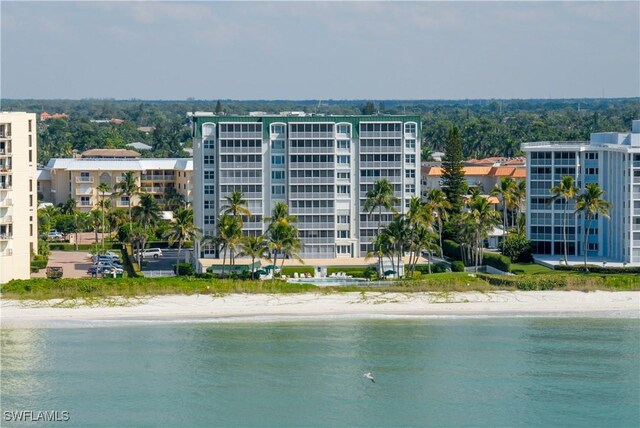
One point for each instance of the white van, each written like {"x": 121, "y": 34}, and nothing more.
{"x": 151, "y": 252}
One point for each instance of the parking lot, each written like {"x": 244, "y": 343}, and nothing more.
{"x": 164, "y": 262}
{"x": 74, "y": 264}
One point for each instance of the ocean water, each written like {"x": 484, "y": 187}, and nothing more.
{"x": 473, "y": 372}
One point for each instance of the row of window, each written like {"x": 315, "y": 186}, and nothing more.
{"x": 312, "y": 188}
{"x": 384, "y": 127}
{"x": 312, "y": 204}
{"x": 317, "y": 144}
{"x": 240, "y": 173}
{"x": 381, "y": 158}
{"x": 311, "y": 158}
{"x": 311, "y": 127}
{"x": 245, "y": 188}
{"x": 237, "y": 144}
{"x": 382, "y": 172}
{"x": 240, "y": 127}
{"x": 240, "y": 158}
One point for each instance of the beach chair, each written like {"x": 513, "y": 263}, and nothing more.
{"x": 295, "y": 275}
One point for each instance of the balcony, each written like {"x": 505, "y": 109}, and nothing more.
{"x": 6, "y": 202}
{"x": 6, "y": 236}
{"x": 7, "y": 219}
{"x": 154, "y": 190}
{"x": 6, "y": 253}
{"x": 84, "y": 192}
{"x": 122, "y": 204}
{"x": 5, "y": 186}
{"x": 316, "y": 135}
{"x": 84, "y": 179}
{"x": 154, "y": 177}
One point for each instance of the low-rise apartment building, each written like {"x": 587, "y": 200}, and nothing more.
{"x": 80, "y": 177}
{"x": 18, "y": 198}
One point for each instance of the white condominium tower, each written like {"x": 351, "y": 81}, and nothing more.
{"x": 320, "y": 166}
{"x": 610, "y": 159}
{"x": 18, "y": 195}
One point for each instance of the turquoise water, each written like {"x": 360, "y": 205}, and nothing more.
{"x": 439, "y": 372}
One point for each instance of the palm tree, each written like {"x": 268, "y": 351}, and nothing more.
{"x": 69, "y": 207}
{"x": 147, "y": 214}
{"x": 282, "y": 235}
{"x": 229, "y": 235}
{"x": 381, "y": 195}
{"x": 256, "y": 248}
{"x": 128, "y": 187}
{"x": 438, "y": 203}
{"x": 565, "y": 190}
{"x": 182, "y": 230}
{"x": 96, "y": 221}
{"x": 518, "y": 199}
{"x": 398, "y": 235}
{"x": 236, "y": 206}
{"x": 82, "y": 221}
{"x": 591, "y": 204}
{"x": 418, "y": 216}
{"x": 504, "y": 189}
{"x": 103, "y": 188}
{"x": 484, "y": 218}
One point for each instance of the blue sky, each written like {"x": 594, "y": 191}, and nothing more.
{"x": 319, "y": 50}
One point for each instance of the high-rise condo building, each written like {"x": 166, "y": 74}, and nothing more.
{"x": 18, "y": 196}
{"x": 320, "y": 166}
{"x": 610, "y": 159}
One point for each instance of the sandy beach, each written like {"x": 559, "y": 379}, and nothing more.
{"x": 311, "y": 305}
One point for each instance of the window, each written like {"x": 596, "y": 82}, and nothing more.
{"x": 29, "y": 125}
{"x": 344, "y": 144}
{"x": 208, "y": 144}
{"x": 345, "y": 160}
{"x": 277, "y": 160}
{"x": 410, "y": 188}
{"x": 410, "y": 173}
{"x": 209, "y": 219}
{"x": 209, "y": 175}
{"x": 410, "y": 144}
{"x": 343, "y": 249}
{"x": 31, "y": 225}
{"x": 343, "y": 219}
{"x": 277, "y": 175}
{"x": 410, "y": 128}
{"x": 124, "y": 201}
{"x": 31, "y": 200}
{"x": 208, "y": 159}
{"x": 344, "y": 176}
{"x": 209, "y": 189}
{"x": 591, "y": 155}
{"x": 592, "y": 246}
{"x": 30, "y": 141}
{"x": 85, "y": 201}
{"x": 277, "y": 129}
{"x": 343, "y": 129}
{"x": 208, "y": 204}
{"x": 410, "y": 159}
{"x": 343, "y": 234}
{"x": 591, "y": 171}
{"x": 277, "y": 190}
{"x": 30, "y": 185}
{"x": 277, "y": 144}
{"x": 344, "y": 190}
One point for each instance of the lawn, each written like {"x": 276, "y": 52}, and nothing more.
{"x": 530, "y": 269}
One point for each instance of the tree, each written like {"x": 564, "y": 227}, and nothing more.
{"x": 565, "y": 190}
{"x": 236, "y": 206}
{"x": 454, "y": 184}
{"x": 282, "y": 235}
{"x": 438, "y": 203}
{"x": 381, "y": 195}
{"x": 504, "y": 189}
{"x": 182, "y": 229}
{"x": 218, "y": 109}
{"x": 368, "y": 109}
{"x": 95, "y": 221}
{"x": 256, "y": 248}
{"x": 228, "y": 237}
{"x": 103, "y": 188}
{"x": 147, "y": 214}
{"x": 483, "y": 218}
{"x": 128, "y": 187}
{"x": 419, "y": 217}
{"x": 591, "y": 204}
{"x": 82, "y": 221}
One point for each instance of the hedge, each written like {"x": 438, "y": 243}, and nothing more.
{"x": 497, "y": 261}
{"x": 457, "y": 266}
{"x": 131, "y": 268}
{"x": 435, "y": 268}
{"x": 451, "y": 249}
{"x": 599, "y": 269}
{"x": 354, "y": 271}
{"x": 290, "y": 270}
{"x": 184, "y": 269}
{"x": 529, "y": 282}
{"x": 84, "y": 247}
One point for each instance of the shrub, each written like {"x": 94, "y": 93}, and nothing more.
{"x": 457, "y": 266}
{"x": 529, "y": 282}
{"x": 435, "y": 268}
{"x": 517, "y": 247}
{"x": 599, "y": 269}
{"x": 355, "y": 271}
{"x": 183, "y": 269}
{"x": 497, "y": 261}
{"x": 290, "y": 270}
{"x": 451, "y": 249}
{"x": 370, "y": 272}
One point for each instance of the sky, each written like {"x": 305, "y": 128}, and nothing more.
{"x": 319, "y": 50}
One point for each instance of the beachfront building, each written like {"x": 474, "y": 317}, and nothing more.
{"x": 18, "y": 198}
{"x": 80, "y": 177}
{"x": 610, "y": 159}
{"x": 320, "y": 166}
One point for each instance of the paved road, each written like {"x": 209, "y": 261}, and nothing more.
{"x": 165, "y": 262}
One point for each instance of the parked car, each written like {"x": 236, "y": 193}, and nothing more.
{"x": 151, "y": 252}
{"x": 108, "y": 263}
{"x": 102, "y": 269}
{"x": 54, "y": 235}
{"x": 105, "y": 258}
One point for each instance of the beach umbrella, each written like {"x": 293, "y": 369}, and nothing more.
{"x": 272, "y": 267}
{"x": 390, "y": 272}
{"x": 261, "y": 272}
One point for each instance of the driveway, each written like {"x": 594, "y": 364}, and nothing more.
{"x": 74, "y": 264}
{"x": 166, "y": 261}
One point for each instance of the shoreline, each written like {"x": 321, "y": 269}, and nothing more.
{"x": 313, "y": 307}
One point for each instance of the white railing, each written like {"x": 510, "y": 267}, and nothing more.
{"x": 6, "y": 219}
{"x": 5, "y": 236}
{"x": 6, "y": 253}
{"x": 6, "y": 203}
{"x": 84, "y": 179}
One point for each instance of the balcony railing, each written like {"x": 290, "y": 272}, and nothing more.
{"x": 84, "y": 192}
{"x": 7, "y": 219}
{"x": 85, "y": 204}
{"x": 122, "y": 203}
{"x": 84, "y": 179}
{"x": 6, "y": 253}
{"x": 6, "y": 236}
{"x": 6, "y": 203}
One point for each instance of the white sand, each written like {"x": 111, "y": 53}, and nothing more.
{"x": 299, "y": 306}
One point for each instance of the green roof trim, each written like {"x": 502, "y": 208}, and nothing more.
{"x": 269, "y": 119}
